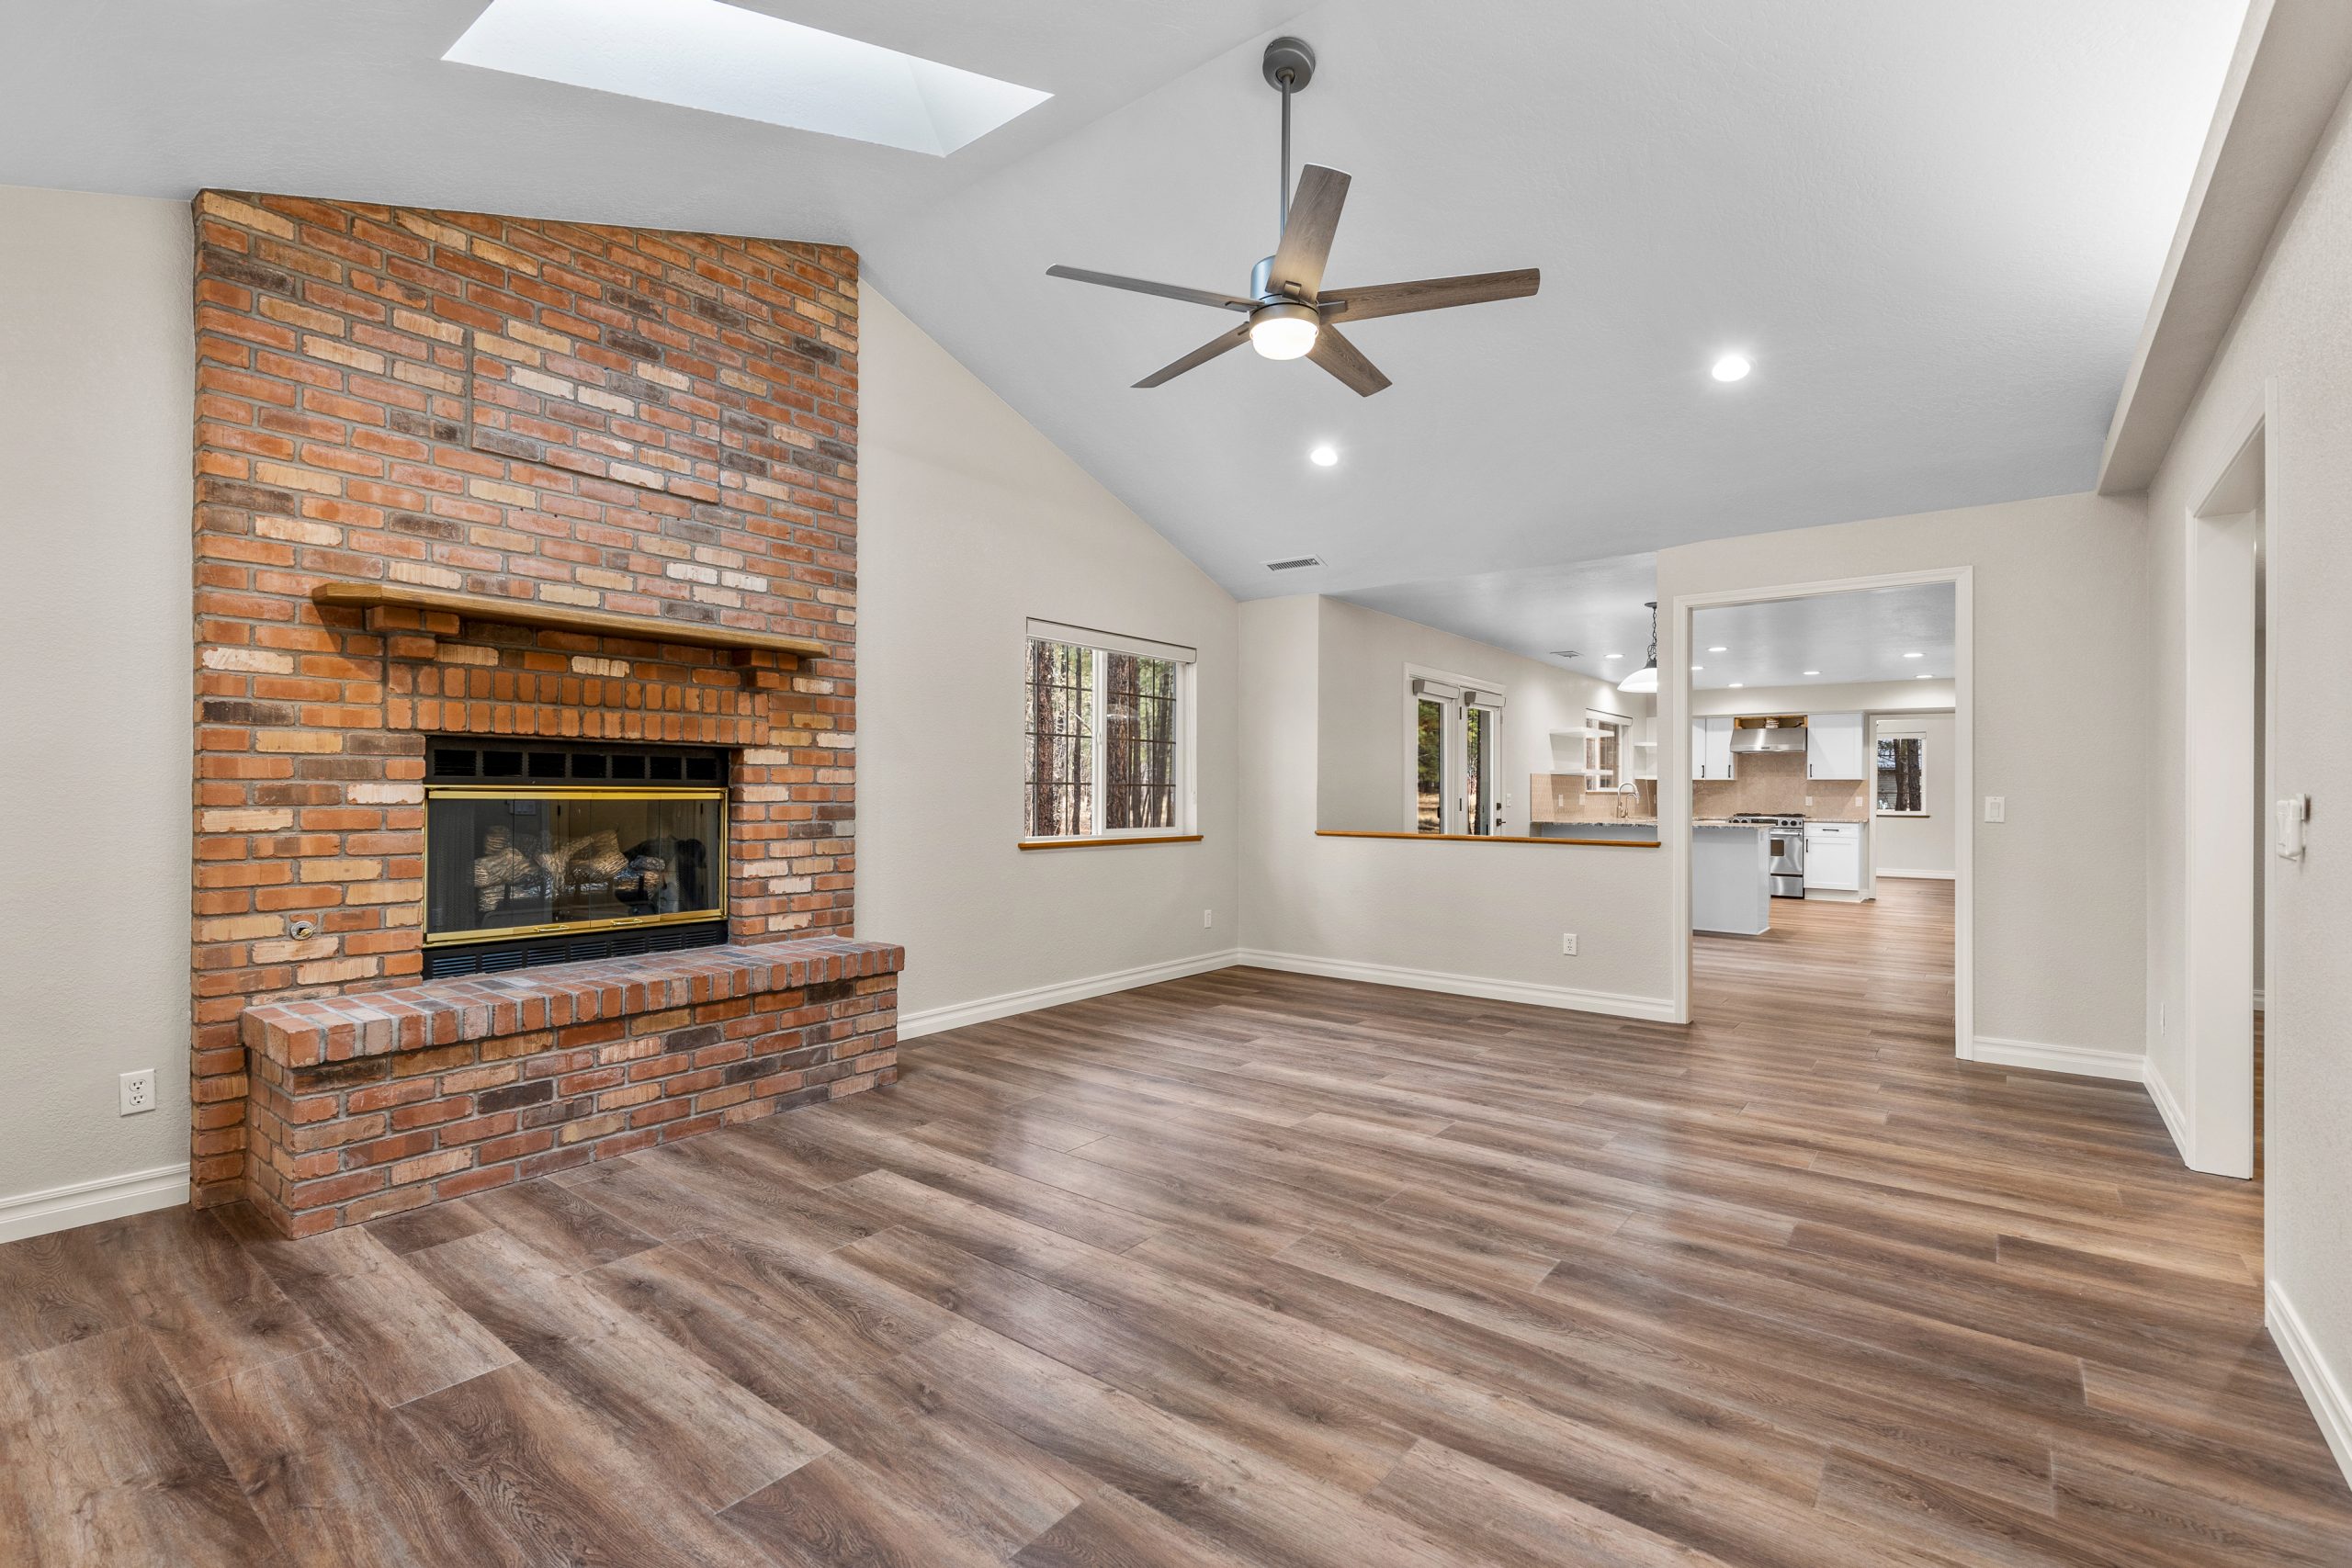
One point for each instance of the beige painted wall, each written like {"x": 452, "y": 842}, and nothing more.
{"x": 97, "y": 401}
{"x": 2293, "y": 340}
{"x": 1918, "y": 843}
{"x": 1481, "y": 918}
{"x": 1364, "y": 750}
{"x": 969, "y": 523}
{"x": 2061, "y": 596}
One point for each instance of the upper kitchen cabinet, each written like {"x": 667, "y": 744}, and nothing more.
{"x": 1711, "y": 748}
{"x": 1834, "y": 746}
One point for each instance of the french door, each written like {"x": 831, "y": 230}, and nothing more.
{"x": 1457, "y": 782}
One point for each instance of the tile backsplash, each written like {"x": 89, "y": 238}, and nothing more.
{"x": 1766, "y": 782}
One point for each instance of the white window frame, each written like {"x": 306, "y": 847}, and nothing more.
{"x": 1456, "y": 693}
{"x": 1879, "y": 732}
{"x": 1593, "y": 719}
{"x": 1101, "y": 645}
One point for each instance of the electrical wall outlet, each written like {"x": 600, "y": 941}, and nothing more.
{"x": 138, "y": 1091}
{"x": 1996, "y": 809}
{"x": 1208, "y": 919}
{"x": 1567, "y": 945}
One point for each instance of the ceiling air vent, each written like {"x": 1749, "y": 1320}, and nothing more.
{"x": 1295, "y": 563}
{"x": 1565, "y": 653}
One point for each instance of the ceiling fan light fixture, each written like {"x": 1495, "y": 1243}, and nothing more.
{"x": 1284, "y": 331}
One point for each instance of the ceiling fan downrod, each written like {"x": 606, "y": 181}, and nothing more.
{"x": 1289, "y": 66}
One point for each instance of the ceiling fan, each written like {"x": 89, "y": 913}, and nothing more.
{"x": 1291, "y": 312}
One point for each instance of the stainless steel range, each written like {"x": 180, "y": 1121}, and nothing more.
{"x": 1788, "y": 850}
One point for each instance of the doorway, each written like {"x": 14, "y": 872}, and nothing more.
{"x": 2202, "y": 1068}
{"x": 1834, "y": 781}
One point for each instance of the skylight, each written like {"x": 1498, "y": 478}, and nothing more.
{"x": 701, "y": 54}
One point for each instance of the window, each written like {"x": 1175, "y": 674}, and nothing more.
{"x": 1109, "y": 735}
{"x": 1429, "y": 748}
{"x": 1456, "y": 780}
{"x": 1482, "y": 810}
{"x": 1899, "y": 788}
{"x": 1604, "y": 750}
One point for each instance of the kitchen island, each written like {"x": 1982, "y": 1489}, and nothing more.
{"x": 1731, "y": 877}
{"x": 1731, "y": 867}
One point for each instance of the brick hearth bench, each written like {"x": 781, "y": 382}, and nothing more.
{"x": 364, "y": 1105}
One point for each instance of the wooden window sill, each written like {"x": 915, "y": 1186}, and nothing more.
{"x": 1907, "y": 816}
{"x": 1110, "y": 841}
{"x": 1483, "y": 839}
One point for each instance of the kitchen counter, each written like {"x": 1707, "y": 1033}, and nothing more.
{"x": 1631, "y": 829}
{"x": 1573, "y": 829}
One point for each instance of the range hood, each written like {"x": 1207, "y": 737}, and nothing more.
{"x": 1768, "y": 737}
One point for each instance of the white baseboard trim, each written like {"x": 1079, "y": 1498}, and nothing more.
{"x": 2322, "y": 1391}
{"x": 1611, "y": 1003}
{"x": 2167, "y": 1107}
{"x": 1924, "y": 875}
{"x": 86, "y": 1202}
{"x": 2083, "y": 1061}
{"x": 932, "y": 1020}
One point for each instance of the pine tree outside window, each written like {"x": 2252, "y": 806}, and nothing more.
{"x": 1899, "y": 778}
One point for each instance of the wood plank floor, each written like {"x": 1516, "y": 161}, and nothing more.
{"x": 1246, "y": 1268}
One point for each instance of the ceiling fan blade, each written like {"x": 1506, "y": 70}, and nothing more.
{"x": 1307, "y": 238}
{"x": 1428, "y": 294}
{"x": 1145, "y": 286}
{"x": 1201, "y": 356}
{"x": 1346, "y": 361}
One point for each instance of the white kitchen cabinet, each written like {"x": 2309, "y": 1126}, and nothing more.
{"x": 1711, "y": 748}
{"x": 1833, "y": 857}
{"x": 1834, "y": 746}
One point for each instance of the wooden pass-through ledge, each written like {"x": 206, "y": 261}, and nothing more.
{"x": 558, "y": 618}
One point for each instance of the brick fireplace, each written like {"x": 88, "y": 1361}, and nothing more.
{"x": 560, "y": 499}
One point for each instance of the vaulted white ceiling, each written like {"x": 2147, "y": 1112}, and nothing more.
{"x": 1935, "y": 229}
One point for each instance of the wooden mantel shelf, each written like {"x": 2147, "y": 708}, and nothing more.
{"x": 558, "y": 618}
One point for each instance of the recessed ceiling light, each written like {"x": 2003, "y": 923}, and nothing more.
{"x": 1324, "y": 457}
{"x": 1719, "y": 650}
{"x": 1735, "y": 685}
{"x": 1730, "y": 367}
{"x": 701, "y": 54}
{"x": 1612, "y": 656}
{"x": 1923, "y": 677}
{"x": 1915, "y": 656}
{"x": 1812, "y": 671}
{"x": 1696, "y": 668}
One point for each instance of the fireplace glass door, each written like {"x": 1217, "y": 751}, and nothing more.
{"x": 521, "y": 861}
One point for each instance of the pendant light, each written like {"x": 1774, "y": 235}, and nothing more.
{"x": 1645, "y": 678}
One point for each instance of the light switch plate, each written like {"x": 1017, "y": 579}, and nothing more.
{"x": 2291, "y": 814}
{"x": 1996, "y": 809}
